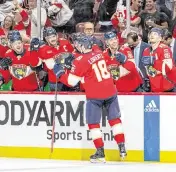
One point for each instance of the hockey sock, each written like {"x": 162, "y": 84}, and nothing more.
{"x": 117, "y": 130}
{"x": 96, "y": 135}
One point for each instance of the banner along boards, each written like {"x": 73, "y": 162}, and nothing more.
{"x": 26, "y": 120}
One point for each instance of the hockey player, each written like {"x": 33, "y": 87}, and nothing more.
{"x": 51, "y": 51}
{"x": 90, "y": 68}
{"x": 158, "y": 62}
{"x": 19, "y": 61}
{"x": 120, "y": 62}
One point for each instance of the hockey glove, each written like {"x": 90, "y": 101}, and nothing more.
{"x": 121, "y": 58}
{"x": 58, "y": 70}
{"x": 148, "y": 60}
{"x": 5, "y": 63}
{"x": 66, "y": 59}
{"x": 35, "y": 44}
{"x": 146, "y": 85}
{"x": 151, "y": 71}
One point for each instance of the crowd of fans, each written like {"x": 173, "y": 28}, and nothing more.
{"x": 94, "y": 18}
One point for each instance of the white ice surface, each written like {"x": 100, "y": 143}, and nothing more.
{"x": 33, "y": 165}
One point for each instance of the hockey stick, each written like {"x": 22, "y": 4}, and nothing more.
{"x": 38, "y": 81}
{"x": 53, "y": 124}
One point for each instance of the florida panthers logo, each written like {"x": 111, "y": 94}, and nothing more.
{"x": 115, "y": 71}
{"x": 19, "y": 71}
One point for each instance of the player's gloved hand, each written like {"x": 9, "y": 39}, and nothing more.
{"x": 151, "y": 71}
{"x": 5, "y": 63}
{"x": 148, "y": 60}
{"x": 35, "y": 44}
{"x": 146, "y": 85}
{"x": 66, "y": 59}
{"x": 59, "y": 70}
{"x": 121, "y": 58}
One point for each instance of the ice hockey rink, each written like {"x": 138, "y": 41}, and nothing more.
{"x": 34, "y": 165}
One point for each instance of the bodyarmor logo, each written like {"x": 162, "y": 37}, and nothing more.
{"x": 19, "y": 71}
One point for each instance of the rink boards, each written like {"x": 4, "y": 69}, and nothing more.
{"x": 149, "y": 123}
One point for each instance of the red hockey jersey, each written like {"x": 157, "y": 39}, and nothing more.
{"x": 91, "y": 69}
{"x": 126, "y": 76}
{"x": 23, "y": 77}
{"x": 48, "y": 55}
{"x": 163, "y": 64}
{"x": 3, "y": 50}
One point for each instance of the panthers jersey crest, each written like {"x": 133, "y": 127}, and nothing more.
{"x": 19, "y": 71}
{"x": 115, "y": 71}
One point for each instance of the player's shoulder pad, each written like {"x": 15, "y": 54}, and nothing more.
{"x": 44, "y": 49}
{"x": 49, "y": 52}
{"x": 162, "y": 45}
{"x": 125, "y": 47}
{"x": 8, "y": 51}
{"x": 62, "y": 40}
{"x": 79, "y": 58}
{"x": 105, "y": 51}
{"x": 130, "y": 55}
{"x": 43, "y": 45}
{"x": 147, "y": 49}
{"x": 122, "y": 47}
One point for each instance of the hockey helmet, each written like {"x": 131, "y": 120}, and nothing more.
{"x": 49, "y": 31}
{"x": 85, "y": 41}
{"x": 14, "y": 36}
{"x": 109, "y": 35}
{"x": 76, "y": 36}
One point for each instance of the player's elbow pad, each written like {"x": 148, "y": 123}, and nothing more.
{"x": 73, "y": 80}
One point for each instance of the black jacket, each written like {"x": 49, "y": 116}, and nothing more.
{"x": 106, "y": 10}
{"x": 83, "y": 10}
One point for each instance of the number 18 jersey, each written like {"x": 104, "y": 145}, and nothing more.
{"x": 91, "y": 69}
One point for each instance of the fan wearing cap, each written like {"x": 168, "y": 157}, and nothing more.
{"x": 158, "y": 62}
{"x": 20, "y": 62}
{"x": 121, "y": 64}
{"x": 50, "y": 51}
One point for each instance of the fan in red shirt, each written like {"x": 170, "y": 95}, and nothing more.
{"x": 50, "y": 51}
{"x": 22, "y": 64}
{"x": 121, "y": 64}
{"x": 4, "y": 30}
{"x": 159, "y": 65}
{"x": 90, "y": 68}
